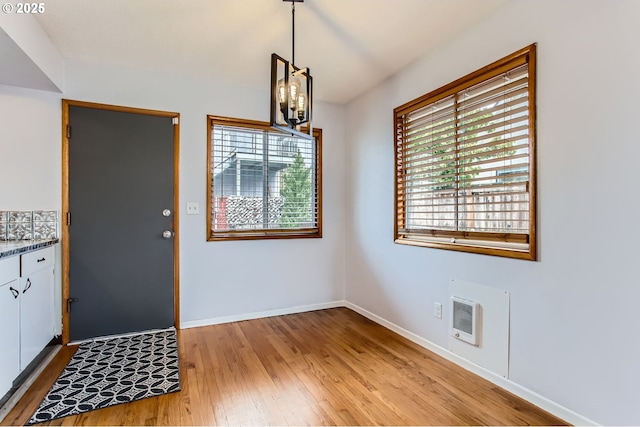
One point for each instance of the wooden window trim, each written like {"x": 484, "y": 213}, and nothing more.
{"x": 216, "y": 236}
{"x": 519, "y": 246}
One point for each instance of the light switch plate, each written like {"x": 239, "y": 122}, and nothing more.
{"x": 437, "y": 310}
{"x": 193, "y": 208}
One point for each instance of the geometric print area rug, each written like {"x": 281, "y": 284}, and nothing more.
{"x": 113, "y": 371}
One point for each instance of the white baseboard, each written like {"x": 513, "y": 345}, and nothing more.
{"x": 542, "y": 402}
{"x": 261, "y": 314}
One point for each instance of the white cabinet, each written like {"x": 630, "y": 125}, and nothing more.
{"x": 9, "y": 322}
{"x": 26, "y": 311}
{"x": 36, "y": 303}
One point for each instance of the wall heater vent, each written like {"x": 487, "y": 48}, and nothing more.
{"x": 464, "y": 320}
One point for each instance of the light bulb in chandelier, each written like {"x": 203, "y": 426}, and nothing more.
{"x": 294, "y": 92}
{"x": 282, "y": 95}
{"x": 301, "y": 107}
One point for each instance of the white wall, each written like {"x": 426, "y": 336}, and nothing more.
{"x": 574, "y": 315}
{"x": 30, "y": 149}
{"x": 227, "y": 279}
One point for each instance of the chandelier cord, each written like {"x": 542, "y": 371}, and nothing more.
{"x": 293, "y": 32}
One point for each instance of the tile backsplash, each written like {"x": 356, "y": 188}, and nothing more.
{"x": 28, "y": 225}
{"x": 4, "y": 218}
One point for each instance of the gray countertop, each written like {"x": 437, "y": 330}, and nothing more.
{"x": 15, "y": 247}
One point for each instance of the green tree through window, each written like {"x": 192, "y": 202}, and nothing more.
{"x": 296, "y": 192}
{"x": 442, "y": 149}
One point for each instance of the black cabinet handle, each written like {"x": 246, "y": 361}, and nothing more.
{"x": 26, "y": 288}
{"x": 15, "y": 292}
{"x": 40, "y": 260}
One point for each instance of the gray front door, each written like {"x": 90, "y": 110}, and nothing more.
{"x": 121, "y": 268}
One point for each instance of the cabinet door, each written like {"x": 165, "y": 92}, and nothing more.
{"x": 9, "y": 335}
{"x": 36, "y": 314}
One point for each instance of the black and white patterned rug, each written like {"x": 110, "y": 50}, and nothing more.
{"x": 113, "y": 371}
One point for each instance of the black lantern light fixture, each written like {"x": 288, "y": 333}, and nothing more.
{"x": 291, "y": 90}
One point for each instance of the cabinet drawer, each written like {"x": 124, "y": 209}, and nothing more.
{"x": 9, "y": 269}
{"x": 37, "y": 260}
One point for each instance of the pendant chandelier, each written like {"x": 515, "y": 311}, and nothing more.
{"x": 291, "y": 90}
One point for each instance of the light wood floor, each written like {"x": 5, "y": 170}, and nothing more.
{"x": 327, "y": 367}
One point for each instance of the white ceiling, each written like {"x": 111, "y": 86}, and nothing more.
{"x": 349, "y": 45}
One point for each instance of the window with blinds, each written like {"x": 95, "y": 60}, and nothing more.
{"x": 262, "y": 183}
{"x": 465, "y": 163}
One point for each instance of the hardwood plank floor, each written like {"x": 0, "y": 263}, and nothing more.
{"x": 327, "y": 367}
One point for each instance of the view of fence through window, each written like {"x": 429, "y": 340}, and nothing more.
{"x": 262, "y": 180}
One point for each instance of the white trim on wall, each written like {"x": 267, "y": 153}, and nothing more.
{"x": 261, "y": 314}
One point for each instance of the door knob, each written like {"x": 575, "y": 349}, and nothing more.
{"x": 167, "y": 234}
{"x": 166, "y": 212}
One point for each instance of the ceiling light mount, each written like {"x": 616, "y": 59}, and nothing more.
{"x": 291, "y": 90}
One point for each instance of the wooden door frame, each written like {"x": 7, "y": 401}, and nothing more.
{"x": 66, "y": 103}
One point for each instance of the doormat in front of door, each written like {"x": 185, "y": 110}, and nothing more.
{"x": 113, "y": 371}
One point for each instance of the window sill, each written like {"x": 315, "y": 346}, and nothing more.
{"x": 502, "y": 249}
{"x": 261, "y": 235}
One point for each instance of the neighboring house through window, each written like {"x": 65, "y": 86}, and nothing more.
{"x": 465, "y": 163}
{"x": 262, "y": 183}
